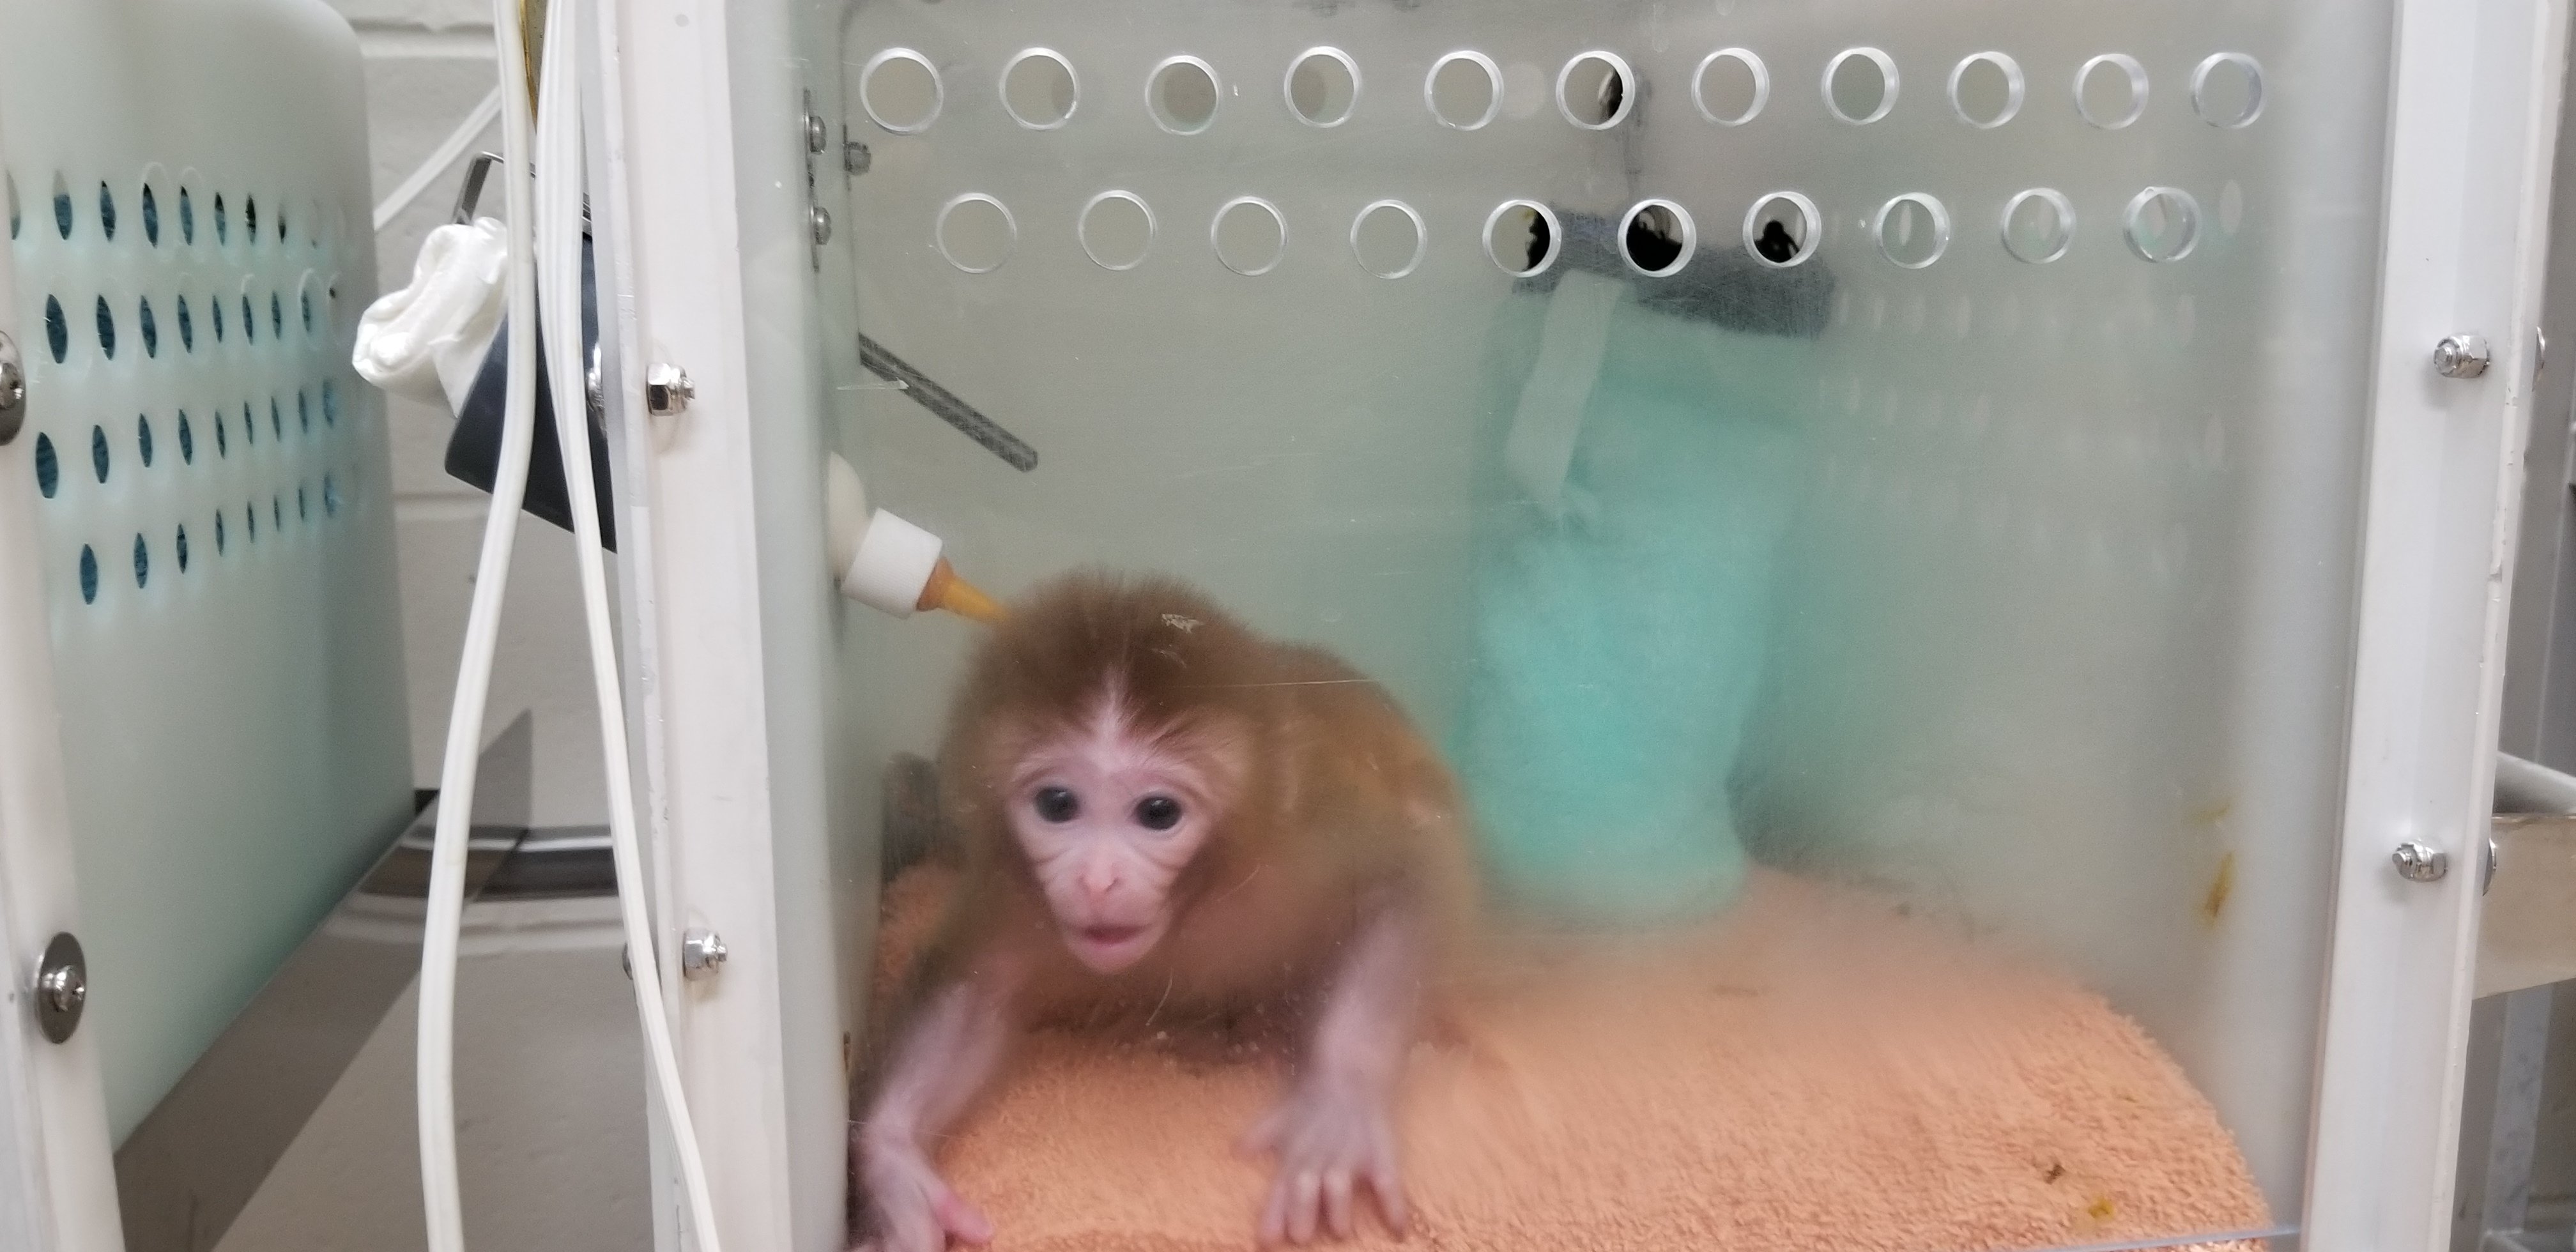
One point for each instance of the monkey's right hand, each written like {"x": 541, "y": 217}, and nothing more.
{"x": 909, "y": 1208}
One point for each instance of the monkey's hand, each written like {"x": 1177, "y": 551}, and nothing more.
{"x": 910, "y": 1209}
{"x": 1331, "y": 1138}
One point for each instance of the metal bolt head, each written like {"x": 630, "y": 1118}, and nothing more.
{"x": 62, "y": 988}
{"x": 13, "y": 391}
{"x": 2461, "y": 356}
{"x": 817, "y": 135}
{"x": 667, "y": 389}
{"x": 855, "y": 157}
{"x": 2417, "y": 861}
{"x": 821, "y": 222}
{"x": 701, "y": 951}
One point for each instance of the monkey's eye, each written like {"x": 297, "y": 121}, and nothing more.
{"x": 1158, "y": 812}
{"x": 1057, "y": 804}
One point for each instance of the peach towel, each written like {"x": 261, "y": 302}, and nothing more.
{"x": 1815, "y": 1071}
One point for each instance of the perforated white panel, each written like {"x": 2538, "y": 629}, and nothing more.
{"x": 188, "y": 214}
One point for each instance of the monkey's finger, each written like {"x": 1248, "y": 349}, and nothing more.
{"x": 1274, "y": 1215}
{"x": 1337, "y": 1202}
{"x": 1264, "y": 1135}
{"x": 1390, "y": 1196}
{"x": 1301, "y": 1210}
{"x": 962, "y": 1220}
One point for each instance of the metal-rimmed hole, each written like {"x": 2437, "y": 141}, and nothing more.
{"x": 1987, "y": 89}
{"x": 1039, "y": 89}
{"x": 1116, "y": 229}
{"x": 1595, "y": 90}
{"x": 1464, "y": 90}
{"x": 1860, "y": 85}
{"x": 1782, "y": 229}
{"x": 1182, "y": 93}
{"x": 975, "y": 232}
{"x": 1912, "y": 230}
{"x": 1249, "y": 235}
{"x": 2227, "y": 90}
{"x": 2038, "y": 225}
{"x": 1389, "y": 238}
{"x": 1322, "y": 86}
{"x": 1523, "y": 237}
{"x": 2162, "y": 224}
{"x": 1657, "y": 237}
{"x": 1741, "y": 88}
{"x": 900, "y": 91}
{"x": 2111, "y": 101}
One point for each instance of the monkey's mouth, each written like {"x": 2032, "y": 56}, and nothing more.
{"x": 1108, "y": 948}
{"x": 1110, "y": 936}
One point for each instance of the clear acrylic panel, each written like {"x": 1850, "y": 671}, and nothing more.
{"x": 1872, "y": 482}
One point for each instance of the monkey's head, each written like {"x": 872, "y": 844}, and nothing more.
{"x": 1103, "y": 740}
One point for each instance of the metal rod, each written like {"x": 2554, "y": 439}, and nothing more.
{"x": 946, "y": 406}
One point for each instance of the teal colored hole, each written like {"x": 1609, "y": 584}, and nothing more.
{"x": 250, "y": 219}
{"x": 330, "y": 496}
{"x": 330, "y": 405}
{"x": 216, "y": 306}
{"x": 187, "y": 327}
{"x": 143, "y": 438}
{"x": 276, "y": 420}
{"x": 277, "y": 512}
{"x": 49, "y": 470}
{"x": 303, "y": 411}
{"x": 223, "y": 225}
{"x": 106, "y": 211}
{"x": 219, "y": 532}
{"x": 301, "y": 513}
{"x": 12, "y": 182}
{"x": 58, "y": 331}
{"x": 187, "y": 440}
{"x": 89, "y": 575}
{"x": 281, "y": 225}
{"x": 250, "y": 519}
{"x": 305, "y": 299}
{"x": 276, "y": 316}
{"x": 98, "y": 451}
{"x": 142, "y": 562}
{"x": 62, "y": 212}
{"x": 151, "y": 218}
{"x": 151, "y": 331}
{"x": 187, "y": 222}
{"x": 181, "y": 543}
{"x": 250, "y": 428}
{"x": 223, "y": 441}
{"x": 250, "y": 321}
{"x": 106, "y": 319}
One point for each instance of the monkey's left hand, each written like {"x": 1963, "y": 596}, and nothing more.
{"x": 1330, "y": 1137}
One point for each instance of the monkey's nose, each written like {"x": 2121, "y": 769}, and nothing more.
{"x": 1098, "y": 879}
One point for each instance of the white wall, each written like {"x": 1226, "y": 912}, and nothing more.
{"x": 429, "y": 62}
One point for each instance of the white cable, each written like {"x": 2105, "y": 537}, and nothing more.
{"x": 559, "y": 229}
{"x": 435, "y": 1059}
{"x": 439, "y": 159}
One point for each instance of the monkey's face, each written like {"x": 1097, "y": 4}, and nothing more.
{"x": 1109, "y": 816}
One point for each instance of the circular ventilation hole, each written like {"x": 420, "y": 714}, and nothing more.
{"x": 98, "y": 451}
{"x": 1116, "y": 229}
{"x": 142, "y": 562}
{"x": 2111, "y": 90}
{"x": 49, "y": 468}
{"x": 1913, "y": 230}
{"x": 1782, "y": 229}
{"x": 304, "y": 305}
{"x": 1987, "y": 89}
{"x": 143, "y": 438}
{"x": 277, "y": 513}
{"x": 2227, "y": 90}
{"x": 223, "y": 439}
{"x": 1182, "y": 95}
{"x": 1249, "y": 235}
{"x": 151, "y": 206}
{"x": 88, "y": 575}
{"x": 223, "y": 222}
{"x": 1389, "y": 238}
{"x": 303, "y": 412}
{"x": 187, "y": 326}
{"x": 276, "y": 316}
{"x": 220, "y": 537}
{"x": 1322, "y": 86}
{"x": 250, "y": 219}
{"x": 330, "y": 404}
{"x": 301, "y": 513}
{"x": 179, "y": 543}
{"x": 1039, "y": 89}
{"x": 62, "y": 207}
{"x": 187, "y": 440}
{"x": 1522, "y": 237}
{"x": 1595, "y": 90}
{"x": 282, "y": 232}
{"x": 1860, "y": 85}
{"x": 2162, "y": 223}
{"x": 330, "y": 496}
{"x": 151, "y": 330}
{"x": 250, "y": 520}
{"x": 899, "y": 90}
{"x": 276, "y": 420}
{"x": 1657, "y": 237}
{"x": 58, "y": 331}
{"x": 106, "y": 212}
{"x": 250, "y": 428}
{"x": 1731, "y": 86}
{"x": 2038, "y": 225}
{"x": 105, "y": 319}
{"x": 976, "y": 233}
{"x": 187, "y": 217}
{"x": 249, "y": 320}
{"x": 1464, "y": 90}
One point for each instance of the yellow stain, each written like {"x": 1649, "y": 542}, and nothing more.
{"x": 2101, "y": 1209}
{"x": 2221, "y": 885}
{"x": 2212, "y": 814}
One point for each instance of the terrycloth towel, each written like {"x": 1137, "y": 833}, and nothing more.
{"x": 1816, "y": 1071}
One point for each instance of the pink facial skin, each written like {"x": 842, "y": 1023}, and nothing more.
{"x": 1108, "y": 818}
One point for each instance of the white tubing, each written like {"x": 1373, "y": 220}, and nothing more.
{"x": 439, "y": 159}
{"x": 559, "y": 227}
{"x": 435, "y": 1076}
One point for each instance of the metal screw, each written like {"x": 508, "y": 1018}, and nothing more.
{"x": 701, "y": 952}
{"x": 62, "y": 988}
{"x": 2461, "y": 356}
{"x": 2417, "y": 861}
{"x": 817, "y": 135}
{"x": 13, "y": 391}
{"x": 855, "y": 157}
{"x": 822, "y": 225}
{"x": 667, "y": 389}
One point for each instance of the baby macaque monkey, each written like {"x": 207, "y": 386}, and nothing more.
{"x": 1159, "y": 811}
